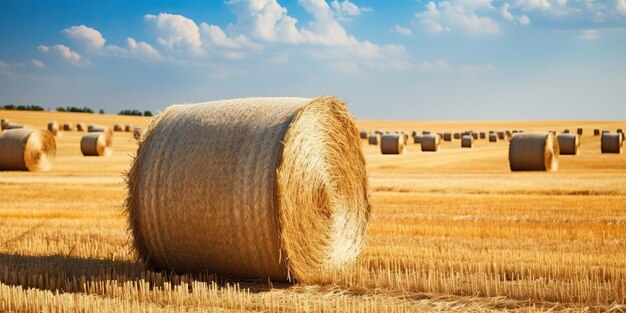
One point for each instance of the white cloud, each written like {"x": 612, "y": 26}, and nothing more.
{"x": 460, "y": 15}
{"x": 65, "y": 53}
{"x": 10, "y": 65}
{"x": 215, "y": 36}
{"x": 87, "y": 36}
{"x": 621, "y": 6}
{"x": 347, "y": 8}
{"x": 38, "y": 64}
{"x": 534, "y": 4}
{"x": 142, "y": 50}
{"x": 507, "y": 15}
{"x": 177, "y": 31}
{"x": 403, "y": 31}
{"x": 266, "y": 20}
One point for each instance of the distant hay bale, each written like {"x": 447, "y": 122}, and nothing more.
{"x": 466, "y": 141}
{"x": 80, "y": 127}
{"x": 406, "y": 138}
{"x": 596, "y": 132}
{"x": 102, "y": 129}
{"x": 534, "y": 152}
{"x": 392, "y": 144}
{"x": 53, "y": 128}
{"x": 250, "y": 188}
{"x": 117, "y": 128}
{"x": 27, "y": 150}
{"x": 566, "y": 131}
{"x": 475, "y": 136}
{"x": 493, "y": 137}
{"x": 417, "y": 139}
{"x": 379, "y": 132}
{"x": 579, "y": 131}
{"x": 69, "y": 127}
{"x": 373, "y": 139}
{"x": 507, "y": 134}
{"x": 137, "y": 133}
{"x": 611, "y": 143}
{"x": 620, "y": 131}
{"x": 483, "y": 135}
{"x": 425, "y": 132}
{"x": 128, "y": 128}
{"x": 363, "y": 134}
{"x": 95, "y": 144}
{"x": 568, "y": 143}
{"x": 15, "y": 126}
{"x": 430, "y": 143}
{"x": 4, "y": 124}
{"x": 447, "y": 136}
{"x": 457, "y": 135}
{"x": 501, "y": 135}
{"x": 605, "y": 132}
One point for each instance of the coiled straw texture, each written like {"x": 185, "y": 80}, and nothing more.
{"x": 568, "y": 143}
{"x": 108, "y": 132}
{"x": 95, "y": 144}
{"x": 392, "y": 144}
{"x": 27, "y": 150}
{"x": 534, "y": 152}
{"x": 250, "y": 188}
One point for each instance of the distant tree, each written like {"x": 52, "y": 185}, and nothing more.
{"x": 101, "y": 111}
{"x": 22, "y": 107}
{"x": 130, "y": 112}
{"x": 60, "y": 109}
{"x": 147, "y": 113}
{"x": 75, "y": 109}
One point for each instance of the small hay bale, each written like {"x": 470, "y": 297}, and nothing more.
{"x": 249, "y": 188}
{"x": 128, "y": 128}
{"x": 457, "y": 135}
{"x": 430, "y": 143}
{"x": 493, "y": 137}
{"x": 102, "y": 129}
{"x": 568, "y": 143}
{"x": 596, "y": 132}
{"x": 466, "y": 141}
{"x": 392, "y": 144}
{"x": 80, "y": 127}
{"x": 534, "y": 152}
{"x": 483, "y": 135}
{"x": 95, "y": 144}
{"x": 566, "y": 131}
{"x": 417, "y": 139}
{"x": 15, "y": 126}
{"x": 406, "y": 138}
{"x": 363, "y": 134}
{"x": 425, "y": 132}
{"x": 611, "y": 143}
{"x": 447, "y": 136}
{"x": 4, "y": 124}
{"x": 501, "y": 135}
{"x": 27, "y": 150}
{"x": 620, "y": 131}
{"x": 137, "y": 133}
{"x": 579, "y": 131}
{"x": 68, "y": 127}
{"x": 373, "y": 139}
{"x": 475, "y": 136}
{"x": 117, "y": 128}
{"x": 53, "y": 128}
{"x": 605, "y": 131}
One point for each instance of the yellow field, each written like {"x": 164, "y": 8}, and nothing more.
{"x": 452, "y": 230}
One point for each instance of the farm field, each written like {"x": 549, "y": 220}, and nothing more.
{"x": 452, "y": 230}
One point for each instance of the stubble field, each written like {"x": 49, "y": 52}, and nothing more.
{"x": 451, "y": 230}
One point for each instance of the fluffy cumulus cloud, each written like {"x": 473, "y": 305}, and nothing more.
{"x": 462, "y": 15}
{"x": 38, "y": 64}
{"x": 87, "y": 36}
{"x": 346, "y": 8}
{"x": 443, "y": 67}
{"x": 534, "y": 4}
{"x": 65, "y": 53}
{"x": 403, "y": 30}
{"x": 177, "y": 31}
{"x": 507, "y": 15}
{"x": 621, "y": 6}
{"x": 142, "y": 50}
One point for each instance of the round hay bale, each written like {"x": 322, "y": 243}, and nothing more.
{"x": 27, "y": 150}
{"x": 363, "y": 134}
{"x": 483, "y": 135}
{"x": 534, "y": 152}
{"x": 417, "y": 139}
{"x": 4, "y": 123}
{"x": 493, "y": 137}
{"x": 430, "y": 143}
{"x": 81, "y": 127}
{"x": 425, "y": 132}
{"x": 466, "y": 141}
{"x": 611, "y": 143}
{"x": 392, "y": 144}
{"x": 579, "y": 131}
{"x": 457, "y": 135}
{"x": 508, "y": 134}
{"x": 566, "y": 131}
{"x": 373, "y": 139}
{"x": 137, "y": 133}
{"x": 53, "y": 128}
{"x": 117, "y": 128}
{"x": 102, "y": 129}
{"x": 128, "y": 128}
{"x": 620, "y": 131}
{"x": 68, "y": 127}
{"x": 568, "y": 143}
{"x": 447, "y": 136}
{"x": 475, "y": 136}
{"x": 500, "y": 135}
{"x": 596, "y": 132}
{"x": 605, "y": 132}
{"x": 94, "y": 144}
{"x": 250, "y": 188}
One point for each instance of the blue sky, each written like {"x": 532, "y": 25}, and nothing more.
{"x": 400, "y": 59}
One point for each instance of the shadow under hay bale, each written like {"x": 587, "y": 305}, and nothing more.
{"x": 280, "y": 194}
{"x": 27, "y": 150}
{"x": 534, "y": 152}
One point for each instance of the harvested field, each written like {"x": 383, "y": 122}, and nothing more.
{"x": 453, "y": 230}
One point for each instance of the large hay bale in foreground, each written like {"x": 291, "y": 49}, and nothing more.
{"x": 27, "y": 150}
{"x": 466, "y": 141}
{"x": 430, "y": 143}
{"x": 392, "y": 144}
{"x": 53, "y": 128}
{"x": 95, "y": 144}
{"x": 568, "y": 143}
{"x": 493, "y": 137}
{"x": 534, "y": 152}
{"x": 373, "y": 139}
{"x": 611, "y": 143}
{"x": 250, "y": 188}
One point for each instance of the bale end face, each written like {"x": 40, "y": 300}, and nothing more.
{"x": 534, "y": 152}
{"x": 27, "y": 150}
{"x": 95, "y": 144}
{"x": 568, "y": 144}
{"x": 611, "y": 143}
{"x": 430, "y": 143}
{"x": 392, "y": 144}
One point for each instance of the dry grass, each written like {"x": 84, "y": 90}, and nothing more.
{"x": 453, "y": 231}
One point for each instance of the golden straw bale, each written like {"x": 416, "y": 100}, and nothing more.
{"x": 117, "y": 128}
{"x": 250, "y": 188}
{"x": 483, "y": 135}
{"x": 534, "y": 152}
{"x": 53, "y": 128}
{"x": 466, "y": 141}
{"x": 431, "y": 143}
{"x": 417, "y": 139}
{"x": 392, "y": 144}
{"x": 363, "y": 134}
{"x": 68, "y": 126}
{"x": 128, "y": 128}
{"x": 27, "y": 150}
{"x": 4, "y": 123}
{"x": 80, "y": 127}
{"x": 447, "y": 136}
{"x": 102, "y": 129}
{"x": 579, "y": 131}
{"x": 373, "y": 139}
{"x": 568, "y": 143}
{"x": 611, "y": 143}
{"x": 94, "y": 144}
{"x": 493, "y": 137}
{"x": 596, "y": 132}
{"x": 15, "y": 126}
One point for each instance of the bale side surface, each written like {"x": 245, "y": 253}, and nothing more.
{"x": 94, "y": 144}
{"x": 250, "y": 188}
{"x": 108, "y": 132}
{"x": 80, "y": 127}
{"x": 373, "y": 139}
{"x": 493, "y": 137}
{"x": 430, "y": 143}
{"x": 69, "y": 127}
{"x": 466, "y": 141}
{"x": 534, "y": 152}
{"x": 568, "y": 143}
{"x": 611, "y": 143}
{"x": 392, "y": 144}
{"x": 27, "y": 150}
